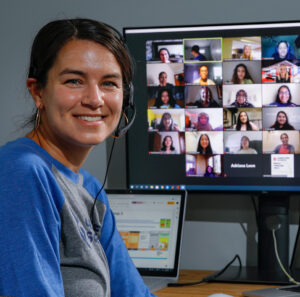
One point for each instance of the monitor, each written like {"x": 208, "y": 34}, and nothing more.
{"x": 217, "y": 110}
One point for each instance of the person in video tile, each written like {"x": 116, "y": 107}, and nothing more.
{"x": 241, "y": 99}
{"x": 241, "y": 75}
{"x": 204, "y": 98}
{"x": 166, "y": 123}
{"x": 163, "y": 80}
{"x": 203, "y": 122}
{"x": 285, "y": 147}
{"x": 167, "y": 145}
{"x": 203, "y": 80}
{"x": 283, "y": 51}
{"x": 164, "y": 55}
{"x": 247, "y": 52}
{"x": 283, "y": 97}
{"x": 197, "y": 55}
{"x": 283, "y": 75}
{"x": 243, "y": 123}
{"x": 282, "y": 122}
{"x": 165, "y": 99}
{"x": 245, "y": 149}
{"x": 204, "y": 146}
{"x": 209, "y": 172}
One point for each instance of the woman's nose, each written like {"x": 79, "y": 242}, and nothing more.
{"x": 93, "y": 97}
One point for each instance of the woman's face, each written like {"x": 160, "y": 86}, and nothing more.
{"x": 204, "y": 141}
{"x": 167, "y": 121}
{"x": 203, "y": 119}
{"x": 241, "y": 98}
{"x": 282, "y": 50}
{"x": 284, "y": 138}
{"x": 247, "y": 50}
{"x": 82, "y": 100}
{"x": 241, "y": 72}
{"x": 168, "y": 141}
{"x": 165, "y": 97}
{"x": 284, "y": 95}
{"x": 245, "y": 143}
{"x": 204, "y": 94}
{"x": 282, "y": 71}
{"x": 164, "y": 56}
{"x": 281, "y": 118}
{"x": 243, "y": 117}
{"x": 163, "y": 79}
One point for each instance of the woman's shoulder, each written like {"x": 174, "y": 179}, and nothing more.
{"x": 23, "y": 153}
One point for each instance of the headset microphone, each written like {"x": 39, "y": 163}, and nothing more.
{"x": 127, "y": 105}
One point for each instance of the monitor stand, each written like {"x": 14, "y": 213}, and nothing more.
{"x": 273, "y": 213}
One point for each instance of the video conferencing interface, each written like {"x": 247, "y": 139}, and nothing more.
{"x": 216, "y": 107}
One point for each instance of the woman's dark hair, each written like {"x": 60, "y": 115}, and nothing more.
{"x": 164, "y": 148}
{"x": 239, "y": 123}
{"x": 53, "y": 36}
{"x": 235, "y": 78}
{"x": 290, "y": 95}
{"x": 159, "y": 103}
{"x": 164, "y": 49}
{"x": 286, "y": 125}
{"x": 245, "y": 137}
{"x": 161, "y": 126}
{"x": 208, "y": 150}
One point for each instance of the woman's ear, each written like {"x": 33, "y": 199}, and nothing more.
{"x": 35, "y": 91}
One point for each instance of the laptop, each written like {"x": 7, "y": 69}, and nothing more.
{"x": 150, "y": 223}
{"x": 284, "y": 291}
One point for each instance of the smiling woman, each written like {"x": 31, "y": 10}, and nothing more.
{"x": 79, "y": 77}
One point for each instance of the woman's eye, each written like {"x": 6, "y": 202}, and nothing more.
{"x": 110, "y": 84}
{"x": 74, "y": 82}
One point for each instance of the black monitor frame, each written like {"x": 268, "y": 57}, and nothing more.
{"x": 273, "y": 196}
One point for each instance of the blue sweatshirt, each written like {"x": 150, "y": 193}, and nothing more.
{"x": 48, "y": 244}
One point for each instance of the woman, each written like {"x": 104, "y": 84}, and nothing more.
{"x": 165, "y": 99}
{"x": 204, "y": 98}
{"x": 245, "y": 149}
{"x": 285, "y": 147}
{"x": 282, "y": 122}
{"x": 241, "y": 99}
{"x": 167, "y": 145}
{"x": 203, "y": 122}
{"x": 283, "y": 51}
{"x": 209, "y": 172}
{"x": 166, "y": 123}
{"x": 57, "y": 243}
{"x": 243, "y": 123}
{"x": 247, "y": 52}
{"x": 283, "y": 75}
{"x": 241, "y": 75}
{"x": 283, "y": 97}
{"x": 204, "y": 146}
{"x": 164, "y": 55}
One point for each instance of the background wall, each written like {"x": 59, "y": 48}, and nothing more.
{"x": 217, "y": 227}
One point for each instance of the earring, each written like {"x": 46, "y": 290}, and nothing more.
{"x": 37, "y": 120}
{"x": 118, "y": 130}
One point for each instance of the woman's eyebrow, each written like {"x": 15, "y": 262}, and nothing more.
{"x": 72, "y": 71}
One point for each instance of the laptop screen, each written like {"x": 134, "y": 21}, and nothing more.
{"x": 150, "y": 223}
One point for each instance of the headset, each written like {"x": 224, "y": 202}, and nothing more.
{"x": 128, "y": 104}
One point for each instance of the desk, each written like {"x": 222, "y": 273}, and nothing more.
{"x": 205, "y": 289}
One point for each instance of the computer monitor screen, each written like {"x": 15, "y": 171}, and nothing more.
{"x": 217, "y": 107}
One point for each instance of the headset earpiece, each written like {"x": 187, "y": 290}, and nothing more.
{"x": 128, "y": 104}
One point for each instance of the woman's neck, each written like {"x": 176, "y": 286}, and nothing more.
{"x": 69, "y": 155}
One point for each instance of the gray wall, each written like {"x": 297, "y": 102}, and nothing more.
{"x": 217, "y": 227}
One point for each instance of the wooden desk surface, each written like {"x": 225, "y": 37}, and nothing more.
{"x": 205, "y": 289}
